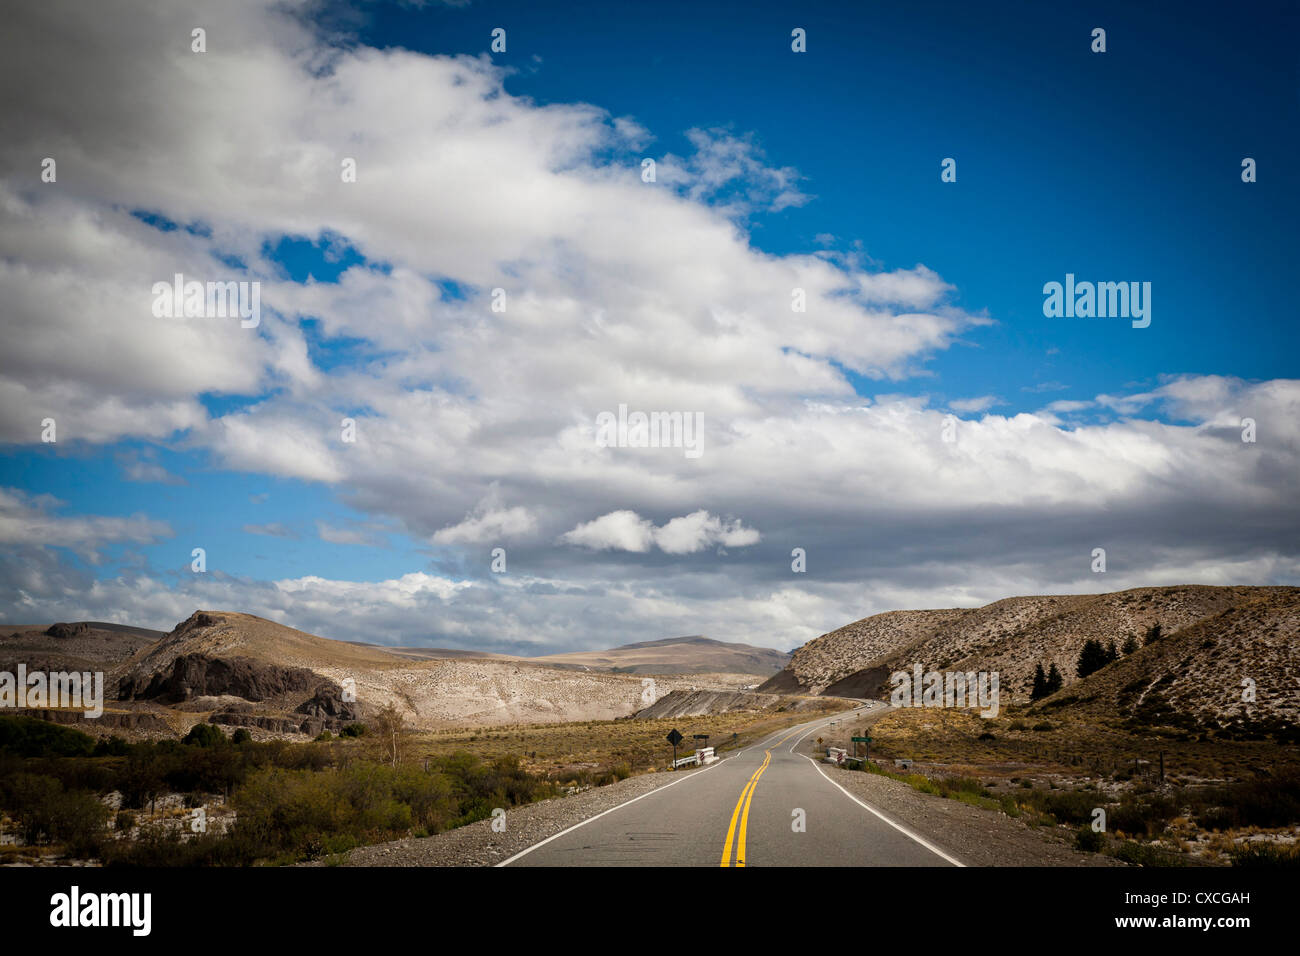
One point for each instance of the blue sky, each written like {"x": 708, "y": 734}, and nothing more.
{"x": 1105, "y": 165}
{"x": 1119, "y": 166}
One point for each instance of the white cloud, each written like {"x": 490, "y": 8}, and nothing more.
{"x": 628, "y": 531}
{"x": 981, "y": 404}
{"x": 617, "y": 531}
{"x": 489, "y": 523}
{"x": 31, "y": 520}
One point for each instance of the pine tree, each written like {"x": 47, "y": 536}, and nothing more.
{"x": 1153, "y": 633}
{"x": 1130, "y": 644}
{"x": 1054, "y": 680}
{"x": 1112, "y": 654}
{"x": 1040, "y": 684}
{"x": 1092, "y": 658}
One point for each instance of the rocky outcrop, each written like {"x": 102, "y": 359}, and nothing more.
{"x": 110, "y": 720}
{"x": 328, "y": 706}
{"x": 197, "y": 675}
{"x": 67, "y": 630}
{"x": 276, "y": 725}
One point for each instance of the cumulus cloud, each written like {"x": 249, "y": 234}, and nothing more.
{"x": 627, "y": 531}
{"x": 489, "y": 522}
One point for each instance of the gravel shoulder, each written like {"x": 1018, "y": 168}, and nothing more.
{"x": 976, "y": 837}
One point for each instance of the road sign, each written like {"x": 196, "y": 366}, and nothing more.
{"x": 862, "y": 740}
{"x": 674, "y": 737}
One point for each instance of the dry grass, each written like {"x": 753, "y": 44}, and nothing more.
{"x": 569, "y": 751}
{"x": 1074, "y": 746}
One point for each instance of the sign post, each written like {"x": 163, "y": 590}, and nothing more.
{"x": 866, "y": 746}
{"x": 674, "y": 738}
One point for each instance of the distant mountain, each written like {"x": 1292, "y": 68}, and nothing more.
{"x": 694, "y": 654}
{"x": 1212, "y": 639}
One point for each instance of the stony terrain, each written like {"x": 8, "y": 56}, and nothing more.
{"x": 1206, "y": 673}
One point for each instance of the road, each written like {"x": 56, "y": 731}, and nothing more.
{"x": 744, "y": 810}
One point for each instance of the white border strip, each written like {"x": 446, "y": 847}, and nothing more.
{"x": 897, "y": 826}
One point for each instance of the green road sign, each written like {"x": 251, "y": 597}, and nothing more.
{"x": 862, "y": 740}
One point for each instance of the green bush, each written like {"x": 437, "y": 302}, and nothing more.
{"x": 29, "y": 737}
{"x": 1143, "y": 815}
{"x": 1265, "y": 802}
{"x": 1088, "y": 840}
{"x": 46, "y": 812}
{"x": 205, "y": 735}
{"x": 1145, "y": 854}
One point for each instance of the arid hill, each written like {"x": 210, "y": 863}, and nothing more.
{"x": 242, "y": 670}
{"x": 1237, "y": 670}
{"x": 1212, "y": 638}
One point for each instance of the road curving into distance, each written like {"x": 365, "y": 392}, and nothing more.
{"x": 765, "y": 805}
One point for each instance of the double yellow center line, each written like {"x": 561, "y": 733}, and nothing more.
{"x": 741, "y": 813}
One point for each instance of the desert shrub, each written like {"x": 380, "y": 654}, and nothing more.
{"x": 1145, "y": 854}
{"x": 1260, "y": 803}
{"x": 353, "y": 730}
{"x": 114, "y": 746}
{"x": 1088, "y": 840}
{"x": 241, "y": 736}
{"x": 45, "y": 811}
{"x": 1143, "y": 814}
{"x": 1259, "y": 853}
{"x": 1063, "y": 806}
{"x": 159, "y": 846}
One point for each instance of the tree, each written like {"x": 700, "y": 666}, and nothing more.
{"x": 1040, "y": 684}
{"x": 1092, "y": 658}
{"x": 205, "y": 735}
{"x": 1130, "y": 643}
{"x": 1153, "y": 634}
{"x": 389, "y": 728}
{"x": 1054, "y": 680}
{"x": 1112, "y": 654}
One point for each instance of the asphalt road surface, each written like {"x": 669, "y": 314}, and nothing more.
{"x": 765, "y": 805}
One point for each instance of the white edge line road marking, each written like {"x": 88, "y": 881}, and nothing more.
{"x": 555, "y": 836}
{"x": 897, "y": 826}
